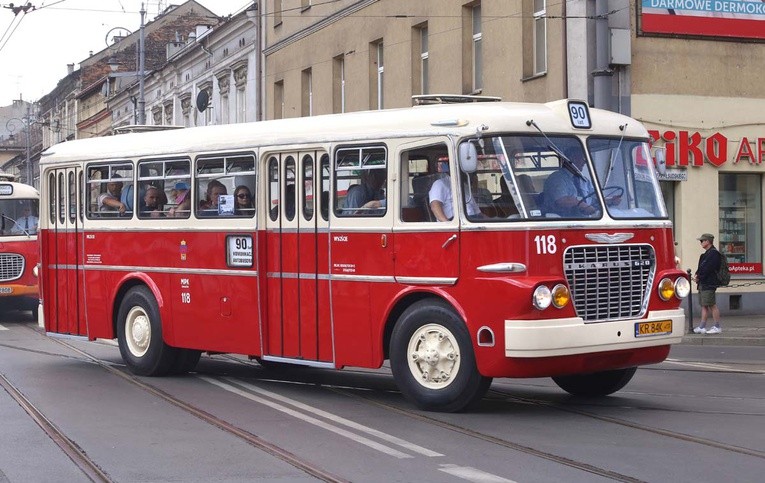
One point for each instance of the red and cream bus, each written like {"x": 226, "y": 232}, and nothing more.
{"x": 19, "y": 250}
{"x": 338, "y": 259}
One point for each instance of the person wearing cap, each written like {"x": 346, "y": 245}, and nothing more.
{"x": 181, "y": 199}
{"x": 706, "y": 278}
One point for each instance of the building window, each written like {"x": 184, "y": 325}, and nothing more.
{"x": 740, "y": 208}
{"x": 279, "y": 100}
{"x": 540, "y": 36}
{"x": 377, "y": 71}
{"x": 307, "y": 93}
{"x": 477, "y": 50}
{"x": 420, "y": 59}
{"x": 338, "y": 84}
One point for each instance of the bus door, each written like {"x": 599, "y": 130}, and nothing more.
{"x": 64, "y": 311}
{"x": 426, "y": 250}
{"x": 295, "y": 327}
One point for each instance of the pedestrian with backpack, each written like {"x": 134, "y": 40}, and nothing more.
{"x": 707, "y": 279}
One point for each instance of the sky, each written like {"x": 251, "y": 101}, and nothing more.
{"x": 36, "y": 46}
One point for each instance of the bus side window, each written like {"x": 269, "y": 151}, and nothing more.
{"x": 106, "y": 183}
{"x": 361, "y": 176}
{"x": 417, "y": 177}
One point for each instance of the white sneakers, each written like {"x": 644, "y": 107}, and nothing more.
{"x": 713, "y": 330}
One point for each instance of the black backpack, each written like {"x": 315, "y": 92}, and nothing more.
{"x": 723, "y": 274}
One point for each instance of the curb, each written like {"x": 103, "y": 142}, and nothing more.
{"x": 719, "y": 340}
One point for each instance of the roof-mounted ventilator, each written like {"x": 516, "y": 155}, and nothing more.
{"x": 426, "y": 99}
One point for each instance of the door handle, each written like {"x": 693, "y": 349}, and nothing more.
{"x": 449, "y": 241}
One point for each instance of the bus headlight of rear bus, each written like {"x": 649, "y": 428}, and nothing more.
{"x": 680, "y": 288}
{"x": 543, "y": 297}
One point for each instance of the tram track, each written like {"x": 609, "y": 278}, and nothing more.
{"x": 78, "y": 456}
{"x": 252, "y": 439}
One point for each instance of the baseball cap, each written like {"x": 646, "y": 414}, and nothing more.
{"x": 706, "y": 236}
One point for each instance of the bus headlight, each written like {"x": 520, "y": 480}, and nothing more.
{"x": 560, "y": 296}
{"x": 666, "y": 289}
{"x": 36, "y": 270}
{"x": 682, "y": 287}
{"x": 542, "y": 297}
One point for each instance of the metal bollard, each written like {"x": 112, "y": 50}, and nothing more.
{"x": 690, "y": 304}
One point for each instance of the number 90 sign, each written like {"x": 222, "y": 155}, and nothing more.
{"x": 579, "y": 114}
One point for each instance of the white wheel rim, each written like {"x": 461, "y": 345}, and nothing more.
{"x": 434, "y": 356}
{"x": 137, "y": 331}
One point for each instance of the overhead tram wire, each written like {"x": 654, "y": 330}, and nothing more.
{"x": 6, "y": 38}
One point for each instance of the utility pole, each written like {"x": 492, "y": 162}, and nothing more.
{"x": 30, "y": 181}
{"x": 141, "y": 72}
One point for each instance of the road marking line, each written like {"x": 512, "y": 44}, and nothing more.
{"x": 340, "y": 420}
{"x": 4, "y": 328}
{"x": 308, "y": 419}
{"x": 473, "y": 474}
{"x": 712, "y": 365}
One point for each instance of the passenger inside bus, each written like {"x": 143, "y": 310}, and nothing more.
{"x": 368, "y": 196}
{"x": 243, "y": 204}
{"x": 110, "y": 200}
{"x": 180, "y": 196}
{"x": 151, "y": 203}
{"x": 209, "y": 206}
{"x": 27, "y": 223}
{"x": 440, "y": 196}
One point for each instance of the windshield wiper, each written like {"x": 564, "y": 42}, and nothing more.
{"x": 6, "y": 217}
{"x": 567, "y": 163}
{"x": 610, "y": 169}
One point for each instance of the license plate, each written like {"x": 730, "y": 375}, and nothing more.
{"x": 6, "y": 290}
{"x": 643, "y": 329}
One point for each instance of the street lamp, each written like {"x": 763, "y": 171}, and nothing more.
{"x": 114, "y": 64}
{"x": 26, "y": 122}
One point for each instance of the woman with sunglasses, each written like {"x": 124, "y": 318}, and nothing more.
{"x": 243, "y": 204}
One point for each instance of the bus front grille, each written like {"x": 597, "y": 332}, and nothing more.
{"x": 609, "y": 282}
{"x": 11, "y": 266}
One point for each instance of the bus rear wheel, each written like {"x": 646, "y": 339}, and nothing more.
{"x": 139, "y": 334}
{"x": 596, "y": 384}
{"x": 432, "y": 359}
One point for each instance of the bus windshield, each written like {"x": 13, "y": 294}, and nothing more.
{"x": 532, "y": 177}
{"x": 19, "y": 216}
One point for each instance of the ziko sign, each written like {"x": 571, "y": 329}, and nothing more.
{"x": 690, "y": 149}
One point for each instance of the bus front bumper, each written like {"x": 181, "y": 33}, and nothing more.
{"x": 14, "y": 290}
{"x": 561, "y": 337}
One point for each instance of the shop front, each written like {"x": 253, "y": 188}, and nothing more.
{"x": 715, "y": 159}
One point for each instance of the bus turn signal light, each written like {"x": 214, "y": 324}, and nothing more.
{"x": 560, "y": 296}
{"x": 666, "y": 289}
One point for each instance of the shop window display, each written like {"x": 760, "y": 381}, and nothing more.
{"x": 740, "y": 214}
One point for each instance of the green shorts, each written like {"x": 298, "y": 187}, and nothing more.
{"x": 707, "y": 297}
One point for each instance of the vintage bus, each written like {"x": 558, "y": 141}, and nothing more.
{"x": 316, "y": 241}
{"x": 19, "y": 250}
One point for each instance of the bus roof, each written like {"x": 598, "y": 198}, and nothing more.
{"x": 428, "y": 120}
{"x": 13, "y": 190}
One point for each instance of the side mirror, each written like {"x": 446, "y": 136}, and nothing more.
{"x": 468, "y": 156}
{"x": 661, "y": 160}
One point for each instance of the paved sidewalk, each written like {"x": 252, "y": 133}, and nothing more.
{"x": 736, "y": 330}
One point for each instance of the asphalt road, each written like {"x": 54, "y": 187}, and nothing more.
{"x": 696, "y": 417}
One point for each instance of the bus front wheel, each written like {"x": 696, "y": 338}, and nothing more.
{"x": 432, "y": 359}
{"x": 597, "y": 384}
{"x": 139, "y": 334}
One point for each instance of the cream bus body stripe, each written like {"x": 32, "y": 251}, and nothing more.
{"x": 124, "y": 268}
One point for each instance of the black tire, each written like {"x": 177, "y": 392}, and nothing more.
{"x": 597, "y": 384}
{"x": 434, "y": 332}
{"x": 139, "y": 334}
{"x": 185, "y": 361}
